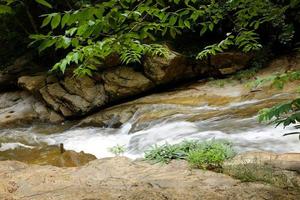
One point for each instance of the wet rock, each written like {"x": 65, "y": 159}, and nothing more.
{"x": 124, "y": 81}
{"x": 112, "y": 117}
{"x": 47, "y": 155}
{"x": 18, "y": 108}
{"x": 121, "y": 178}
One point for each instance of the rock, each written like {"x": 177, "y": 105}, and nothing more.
{"x": 48, "y": 155}
{"x": 112, "y": 117}
{"x": 281, "y": 170}
{"x": 19, "y": 108}
{"x": 124, "y": 81}
{"x": 164, "y": 70}
{"x": 230, "y": 62}
{"x": 121, "y": 178}
{"x": 71, "y": 96}
{"x": 32, "y": 83}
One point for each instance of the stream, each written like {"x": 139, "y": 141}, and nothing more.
{"x": 233, "y": 122}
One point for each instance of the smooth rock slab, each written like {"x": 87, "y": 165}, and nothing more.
{"x": 122, "y": 178}
{"x": 20, "y": 108}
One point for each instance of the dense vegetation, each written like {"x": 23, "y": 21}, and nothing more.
{"x": 204, "y": 155}
{"x": 89, "y": 31}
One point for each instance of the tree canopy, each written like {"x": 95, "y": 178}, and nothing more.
{"x": 89, "y": 31}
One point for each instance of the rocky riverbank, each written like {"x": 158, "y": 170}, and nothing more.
{"x": 122, "y": 178}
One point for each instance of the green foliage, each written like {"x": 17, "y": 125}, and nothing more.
{"x": 133, "y": 28}
{"x": 278, "y": 80}
{"x": 117, "y": 150}
{"x": 285, "y": 114}
{"x": 199, "y": 154}
{"x": 210, "y": 155}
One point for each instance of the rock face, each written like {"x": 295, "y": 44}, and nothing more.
{"x": 73, "y": 96}
{"x": 121, "y": 178}
{"x": 163, "y": 70}
{"x": 146, "y": 110}
{"x": 21, "y": 107}
{"x": 124, "y": 81}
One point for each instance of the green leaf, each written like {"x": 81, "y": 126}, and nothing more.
{"x": 65, "y": 20}
{"x": 44, "y": 3}
{"x": 46, "y": 21}
{"x": 55, "y": 21}
{"x": 46, "y": 44}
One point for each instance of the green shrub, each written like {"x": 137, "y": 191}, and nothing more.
{"x": 198, "y": 154}
{"x": 210, "y": 155}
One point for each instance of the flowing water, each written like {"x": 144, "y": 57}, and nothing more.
{"x": 236, "y": 122}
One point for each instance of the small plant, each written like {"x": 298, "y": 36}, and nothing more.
{"x": 165, "y": 153}
{"x": 199, "y": 154}
{"x": 210, "y": 155}
{"x": 117, "y": 150}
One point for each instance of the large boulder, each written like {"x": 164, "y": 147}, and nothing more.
{"x": 166, "y": 69}
{"x": 18, "y": 108}
{"x": 70, "y": 96}
{"x": 124, "y": 81}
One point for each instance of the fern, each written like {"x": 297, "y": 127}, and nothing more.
{"x": 216, "y": 48}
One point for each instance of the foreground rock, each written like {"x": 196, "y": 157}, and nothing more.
{"x": 18, "y": 108}
{"x": 121, "y": 178}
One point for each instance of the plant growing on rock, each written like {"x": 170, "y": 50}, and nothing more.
{"x": 205, "y": 155}
{"x": 117, "y": 150}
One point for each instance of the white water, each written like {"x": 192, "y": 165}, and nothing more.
{"x": 246, "y": 134}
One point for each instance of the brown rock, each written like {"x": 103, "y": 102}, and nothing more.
{"x": 18, "y": 108}
{"x": 124, "y": 81}
{"x": 48, "y": 155}
{"x": 163, "y": 70}
{"x": 121, "y": 178}
{"x": 32, "y": 83}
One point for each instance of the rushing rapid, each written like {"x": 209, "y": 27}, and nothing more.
{"x": 227, "y": 122}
